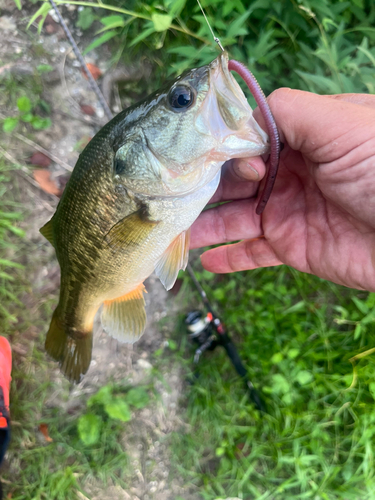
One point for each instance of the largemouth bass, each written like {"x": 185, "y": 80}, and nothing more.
{"x": 134, "y": 193}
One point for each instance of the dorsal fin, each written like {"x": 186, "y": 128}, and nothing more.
{"x": 47, "y": 231}
{"x": 124, "y": 318}
{"x": 173, "y": 259}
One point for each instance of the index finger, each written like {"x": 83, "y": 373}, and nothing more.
{"x": 321, "y": 127}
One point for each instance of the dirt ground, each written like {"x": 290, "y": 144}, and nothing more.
{"x": 65, "y": 89}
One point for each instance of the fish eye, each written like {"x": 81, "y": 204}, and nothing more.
{"x": 181, "y": 97}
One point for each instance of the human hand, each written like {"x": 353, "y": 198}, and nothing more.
{"x": 320, "y": 218}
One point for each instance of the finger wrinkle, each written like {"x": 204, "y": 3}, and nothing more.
{"x": 260, "y": 253}
{"x": 219, "y": 225}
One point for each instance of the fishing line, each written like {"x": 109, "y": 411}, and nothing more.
{"x": 84, "y": 67}
{"x": 271, "y": 126}
{"x": 208, "y": 24}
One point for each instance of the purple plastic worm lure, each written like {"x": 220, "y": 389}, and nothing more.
{"x": 273, "y": 133}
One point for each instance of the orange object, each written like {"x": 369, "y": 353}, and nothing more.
{"x": 5, "y": 378}
{"x": 43, "y": 178}
{"x": 94, "y": 70}
{"x": 44, "y": 430}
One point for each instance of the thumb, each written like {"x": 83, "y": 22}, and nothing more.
{"x": 321, "y": 128}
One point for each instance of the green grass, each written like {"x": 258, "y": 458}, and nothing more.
{"x": 296, "y": 334}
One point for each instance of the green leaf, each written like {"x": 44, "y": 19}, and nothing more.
{"x": 10, "y": 124}
{"x": 361, "y": 305}
{"x": 118, "y": 409}
{"x": 219, "y": 452}
{"x": 85, "y": 18}
{"x": 109, "y": 20}
{"x": 11, "y": 215}
{"x": 44, "y": 68}
{"x": 99, "y": 41}
{"x": 319, "y": 83}
{"x": 17, "y": 231}
{"x": 357, "y": 331}
{"x": 293, "y": 353}
{"x": 372, "y": 389}
{"x": 45, "y": 106}
{"x": 43, "y": 12}
{"x": 112, "y": 26}
{"x": 236, "y": 28}
{"x": 137, "y": 397}
{"x": 175, "y": 6}
{"x": 89, "y": 426}
{"x": 142, "y": 36}
{"x": 10, "y": 263}
{"x": 24, "y": 104}
{"x": 299, "y": 306}
{"x": 27, "y": 118}
{"x": 40, "y": 123}
{"x": 103, "y": 396}
{"x": 369, "y": 318}
{"x": 172, "y": 345}
{"x": 6, "y": 276}
{"x": 185, "y": 50}
{"x": 280, "y": 385}
{"x": 304, "y": 377}
{"x": 161, "y": 21}
{"x": 276, "y": 358}
{"x": 18, "y": 4}
{"x": 219, "y": 294}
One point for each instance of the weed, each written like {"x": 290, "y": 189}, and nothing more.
{"x": 297, "y": 335}
{"x": 9, "y": 216}
{"x": 113, "y": 407}
{"x": 25, "y": 115}
{"x": 325, "y": 47}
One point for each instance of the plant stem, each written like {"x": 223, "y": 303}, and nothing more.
{"x": 101, "y": 5}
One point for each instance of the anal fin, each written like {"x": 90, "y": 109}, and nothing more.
{"x": 173, "y": 259}
{"x": 124, "y": 318}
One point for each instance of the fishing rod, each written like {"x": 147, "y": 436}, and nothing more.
{"x": 210, "y": 332}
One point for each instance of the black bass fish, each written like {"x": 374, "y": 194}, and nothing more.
{"x": 134, "y": 193}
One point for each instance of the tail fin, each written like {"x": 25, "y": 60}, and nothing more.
{"x": 73, "y": 354}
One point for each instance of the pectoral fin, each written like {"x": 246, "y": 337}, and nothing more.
{"x": 132, "y": 230}
{"x": 124, "y": 318}
{"x": 173, "y": 259}
{"x": 47, "y": 231}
